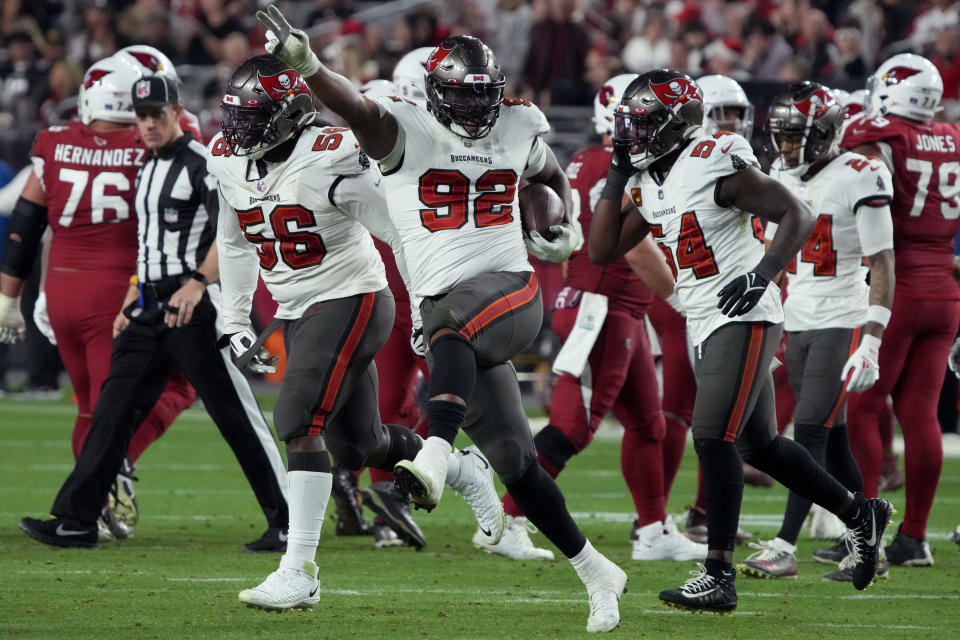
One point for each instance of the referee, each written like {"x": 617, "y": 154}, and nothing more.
{"x": 168, "y": 322}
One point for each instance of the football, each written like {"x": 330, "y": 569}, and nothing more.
{"x": 540, "y": 209}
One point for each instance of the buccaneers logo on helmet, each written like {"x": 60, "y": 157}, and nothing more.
{"x": 284, "y": 83}
{"x": 438, "y": 55}
{"x": 816, "y": 104}
{"x": 896, "y": 75}
{"x": 676, "y": 92}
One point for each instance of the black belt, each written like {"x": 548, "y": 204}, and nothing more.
{"x": 162, "y": 289}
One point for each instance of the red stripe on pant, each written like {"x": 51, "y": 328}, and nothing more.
{"x": 854, "y": 343}
{"x": 343, "y": 361}
{"x": 749, "y": 374}
{"x": 502, "y": 306}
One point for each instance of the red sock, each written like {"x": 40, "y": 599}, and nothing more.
{"x": 672, "y": 446}
{"x": 379, "y": 475}
{"x": 641, "y": 461}
{"x": 923, "y": 460}
{"x": 885, "y": 423}
{"x": 81, "y": 427}
{"x": 176, "y": 397}
{"x": 509, "y": 506}
{"x": 862, "y": 418}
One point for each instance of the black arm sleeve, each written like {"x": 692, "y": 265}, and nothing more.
{"x": 22, "y": 241}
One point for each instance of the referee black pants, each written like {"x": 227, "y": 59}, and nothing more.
{"x": 144, "y": 357}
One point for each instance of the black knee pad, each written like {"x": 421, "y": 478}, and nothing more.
{"x": 553, "y": 445}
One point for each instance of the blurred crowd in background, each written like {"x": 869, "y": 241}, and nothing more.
{"x": 556, "y": 52}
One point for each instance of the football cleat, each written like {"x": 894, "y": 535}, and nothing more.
{"x": 834, "y": 554}
{"x": 703, "y": 592}
{"x": 384, "y": 536}
{"x": 661, "y": 541}
{"x": 955, "y": 537}
{"x": 515, "y": 542}
{"x": 773, "y": 559}
{"x": 61, "y": 532}
{"x": 123, "y": 496}
{"x": 346, "y": 498}
{"x": 866, "y": 540}
{"x": 393, "y": 507}
{"x": 824, "y": 525}
{"x": 110, "y": 527}
{"x": 696, "y": 527}
{"x": 423, "y": 477}
{"x": 285, "y": 588}
{"x": 907, "y": 551}
{"x": 604, "y": 587}
{"x": 273, "y": 540}
{"x": 844, "y": 572}
{"x": 475, "y": 483}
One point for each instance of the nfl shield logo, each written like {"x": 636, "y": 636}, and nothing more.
{"x": 171, "y": 215}
{"x": 143, "y": 88}
{"x": 261, "y": 185}
{"x": 660, "y": 194}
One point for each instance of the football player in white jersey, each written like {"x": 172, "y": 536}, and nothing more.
{"x": 451, "y": 171}
{"x": 294, "y": 192}
{"x": 830, "y": 304}
{"x": 693, "y": 192}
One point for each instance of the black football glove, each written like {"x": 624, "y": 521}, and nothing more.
{"x": 620, "y": 160}
{"x": 742, "y": 294}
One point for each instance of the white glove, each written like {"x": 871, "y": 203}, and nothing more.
{"x": 557, "y": 250}
{"x": 12, "y": 327}
{"x": 862, "y": 367}
{"x": 417, "y": 344}
{"x": 954, "y": 360}
{"x": 262, "y": 362}
{"x": 42, "y": 319}
{"x": 291, "y": 46}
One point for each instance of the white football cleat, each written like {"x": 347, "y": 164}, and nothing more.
{"x": 474, "y": 481}
{"x": 662, "y": 541}
{"x": 515, "y": 542}
{"x": 604, "y": 588}
{"x": 285, "y": 588}
{"x": 423, "y": 477}
{"x": 824, "y": 525}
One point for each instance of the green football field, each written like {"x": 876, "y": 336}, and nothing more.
{"x": 179, "y": 576}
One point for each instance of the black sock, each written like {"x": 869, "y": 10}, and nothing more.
{"x": 719, "y": 569}
{"x": 813, "y": 438}
{"x": 554, "y": 445}
{"x": 309, "y": 461}
{"x": 454, "y": 373}
{"x": 793, "y": 467}
{"x": 404, "y": 445}
{"x": 540, "y": 499}
{"x": 722, "y": 491}
{"x": 840, "y": 461}
{"x": 852, "y": 514}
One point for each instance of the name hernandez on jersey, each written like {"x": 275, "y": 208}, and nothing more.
{"x": 827, "y": 279}
{"x": 926, "y": 198}
{"x": 587, "y": 173}
{"x": 297, "y": 224}
{"x": 89, "y": 183}
{"x": 706, "y": 244}
{"x": 453, "y": 202}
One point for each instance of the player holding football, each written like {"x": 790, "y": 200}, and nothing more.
{"x": 830, "y": 305}
{"x": 452, "y": 171}
{"x": 294, "y": 189}
{"x": 605, "y": 365}
{"x": 691, "y": 192}
{"x": 922, "y": 154}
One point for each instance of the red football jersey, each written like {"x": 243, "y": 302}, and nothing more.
{"x": 926, "y": 199}
{"x": 394, "y": 280}
{"x": 587, "y": 173}
{"x": 89, "y": 179}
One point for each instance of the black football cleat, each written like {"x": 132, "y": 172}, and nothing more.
{"x": 866, "y": 540}
{"x": 346, "y": 498}
{"x": 907, "y": 551}
{"x": 834, "y": 554}
{"x": 61, "y": 532}
{"x": 703, "y": 592}
{"x": 393, "y": 507}
{"x": 273, "y": 540}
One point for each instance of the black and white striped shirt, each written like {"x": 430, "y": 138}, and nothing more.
{"x": 177, "y": 208}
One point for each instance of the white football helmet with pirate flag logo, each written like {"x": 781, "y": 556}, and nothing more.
{"x": 659, "y": 111}
{"x": 464, "y": 85}
{"x": 265, "y": 104}
{"x": 148, "y": 61}
{"x": 105, "y": 92}
{"x": 606, "y": 101}
{"x": 906, "y": 85}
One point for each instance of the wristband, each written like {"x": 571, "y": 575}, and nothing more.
{"x": 199, "y": 277}
{"x": 768, "y": 267}
{"x": 878, "y": 314}
{"x": 616, "y": 182}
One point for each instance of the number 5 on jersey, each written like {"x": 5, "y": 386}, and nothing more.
{"x": 693, "y": 252}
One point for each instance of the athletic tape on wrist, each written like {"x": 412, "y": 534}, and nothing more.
{"x": 878, "y": 314}
{"x": 616, "y": 182}
{"x": 768, "y": 267}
